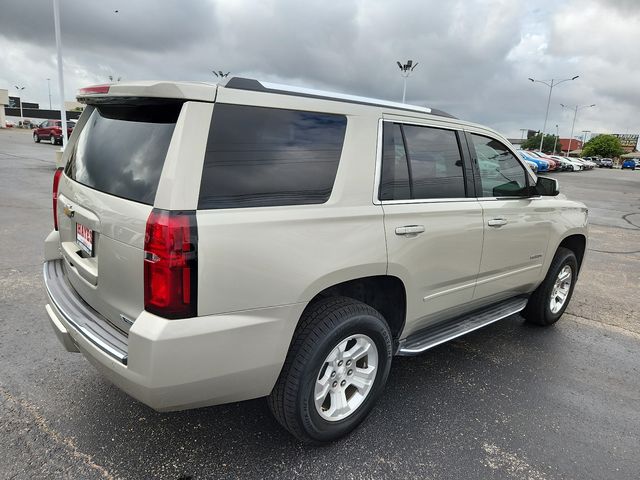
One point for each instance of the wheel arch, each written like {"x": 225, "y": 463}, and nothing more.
{"x": 577, "y": 243}
{"x": 385, "y": 293}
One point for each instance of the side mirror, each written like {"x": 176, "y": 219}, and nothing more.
{"x": 547, "y": 187}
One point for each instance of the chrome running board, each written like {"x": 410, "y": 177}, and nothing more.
{"x": 448, "y": 330}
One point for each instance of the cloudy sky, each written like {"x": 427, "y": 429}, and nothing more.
{"x": 474, "y": 55}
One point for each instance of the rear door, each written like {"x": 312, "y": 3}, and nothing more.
{"x": 105, "y": 197}
{"x": 432, "y": 219}
{"x": 516, "y": 226}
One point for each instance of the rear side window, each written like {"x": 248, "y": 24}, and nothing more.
{"x": 394, "y": 180}
{"x": 121, "y": 149}
{"x": 420, "y": 163}
{"x": 435, "y": 161}
{"x": 261, "y": 157}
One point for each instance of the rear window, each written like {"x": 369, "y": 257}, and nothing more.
{"x": 260, "y": 157}
{"x": 121, "y": 149}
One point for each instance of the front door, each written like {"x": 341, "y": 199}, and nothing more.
{"x": 516, "y": 225}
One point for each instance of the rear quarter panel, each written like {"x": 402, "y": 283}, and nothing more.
{"x": 267, "y": 256}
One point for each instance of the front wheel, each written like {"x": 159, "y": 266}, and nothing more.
{"x": 36, "y": 138}
{"x": 549, "y": 301}
{"x": 336, "y": 368}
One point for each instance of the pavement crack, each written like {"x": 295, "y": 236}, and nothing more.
{"x": 67, "y": 443}
{"x": 606, "y": 326}
{"x": 608, "y": 251}
{"x": 624, "y": 217}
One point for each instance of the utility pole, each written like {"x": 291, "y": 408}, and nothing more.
{"x": 552, "y": 83}
{"x": 584, "y": 137}
{"x": 575, "y": 114}
{"x": 556, "y": 140}
{"x": 20, "y": 89}
{"x": 522, "y": 131}
{"x": 405, "y": 71}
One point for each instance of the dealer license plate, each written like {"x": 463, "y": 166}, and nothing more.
{"x": 84, "y": 238}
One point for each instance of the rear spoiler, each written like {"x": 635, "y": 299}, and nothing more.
{"x": 203, "y": 92}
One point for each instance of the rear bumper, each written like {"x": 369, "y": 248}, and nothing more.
{"x": 177, "y": 364}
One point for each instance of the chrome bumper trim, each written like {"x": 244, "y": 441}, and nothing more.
{"x": 64, "y": 299}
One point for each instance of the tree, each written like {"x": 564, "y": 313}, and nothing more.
{"x": 607, "y": 146}
{"x": 533, "y": 143}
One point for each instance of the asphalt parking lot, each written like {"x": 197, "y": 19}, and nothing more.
{"x": 509, "y": 401}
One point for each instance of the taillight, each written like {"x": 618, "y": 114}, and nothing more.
{"x": 54, "y": 195}
{"x": 171, "y": 264}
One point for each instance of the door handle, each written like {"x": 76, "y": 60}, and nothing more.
{"x": 497, "y": 222}
{"x": 410, "y": 230}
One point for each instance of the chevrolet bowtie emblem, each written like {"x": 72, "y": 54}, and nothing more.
{"x": 68, "y": 211}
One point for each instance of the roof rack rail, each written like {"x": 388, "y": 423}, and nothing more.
{"x": 240, "y": 83}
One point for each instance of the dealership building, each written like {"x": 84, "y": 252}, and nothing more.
{"x": 31, "y": 112}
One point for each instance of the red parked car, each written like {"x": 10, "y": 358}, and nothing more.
{"x": 52, "y": 130}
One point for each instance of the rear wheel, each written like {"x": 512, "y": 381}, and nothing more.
{"x": 335, "y": 370}
{"x": 550, "y": 299}
{"x": 36, "y": 138}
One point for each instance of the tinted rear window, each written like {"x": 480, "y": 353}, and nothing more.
{"x": 121, "y": 149}
{"x": 258, "y": 157}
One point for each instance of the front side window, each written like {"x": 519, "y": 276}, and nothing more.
{"x": 262, "y": 157}
{"x": 501, "y": 174}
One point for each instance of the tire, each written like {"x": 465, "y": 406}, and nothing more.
{"x": 36, "y": 138}
{"x": 540, "y": 310}
{"x": 325, "y": 325}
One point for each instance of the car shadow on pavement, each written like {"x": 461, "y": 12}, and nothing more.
{"x": 454, "y": 389}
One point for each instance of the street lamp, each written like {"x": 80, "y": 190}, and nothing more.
{"x": 522, "y": 132}
{"x": 575, "y": 114}
{"x": 49, "y": 88}
{"x": 220, "y": 74}
{"x": 405, "y": 71}
{"x": 20, "y": 98}
{"x": 552, "y": 83}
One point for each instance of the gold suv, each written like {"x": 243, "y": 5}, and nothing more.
{"x": 216, "y": 243}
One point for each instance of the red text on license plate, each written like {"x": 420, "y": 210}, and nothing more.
{"x": 84, "y": 238}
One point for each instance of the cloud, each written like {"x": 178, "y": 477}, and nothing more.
{"x": 474, "y": 56}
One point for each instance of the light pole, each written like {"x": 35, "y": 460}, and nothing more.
{"x": 555, "y": 140}
{"x": 63, "y": 113}
{"x": 20, "y": 98}
{"x": 405, "y": 71}
{"x": 552, "y": 83}
{"x": 522, "y": 132}
{"x": 49, "y": 88}
{"x": 575, "y": 114}
{"x": 584, "y": 137}
{"x": 220, "y": 74}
